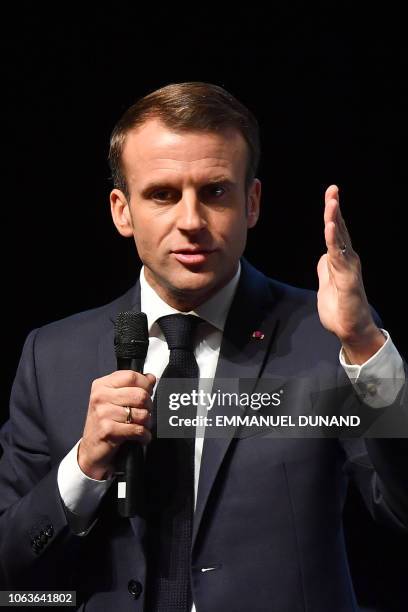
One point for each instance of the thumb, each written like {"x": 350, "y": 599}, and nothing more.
{"x": 323, "y": 271}
{"x": 152, "y": 380}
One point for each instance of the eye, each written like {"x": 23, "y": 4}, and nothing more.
{"x": 164, "y": 195}
{"x": 213, "y": 191}
{"x": 217, "y": 190}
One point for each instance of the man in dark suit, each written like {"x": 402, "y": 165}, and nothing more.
{"x": 267, "y": 528}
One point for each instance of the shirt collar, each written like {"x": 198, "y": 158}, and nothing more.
{"x": 214, "y": 310}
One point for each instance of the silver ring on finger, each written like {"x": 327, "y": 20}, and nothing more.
{"x": 343, "y": 249}
{"x": 128, "y": 411}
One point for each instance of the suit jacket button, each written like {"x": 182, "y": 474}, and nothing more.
{"x": 49, "y": 531}
{"x": 135, "y": 588}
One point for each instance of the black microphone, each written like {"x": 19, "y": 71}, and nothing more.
{"x": 131, "y": 344}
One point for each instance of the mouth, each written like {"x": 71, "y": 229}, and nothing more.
{"x": 192, "y": 256}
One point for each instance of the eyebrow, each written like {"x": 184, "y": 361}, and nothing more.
{"x": 167, "y": 184}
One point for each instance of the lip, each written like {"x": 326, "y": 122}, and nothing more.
{"x": 192, "y": 256}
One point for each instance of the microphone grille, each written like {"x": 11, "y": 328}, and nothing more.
{"x": 131, "y": 335}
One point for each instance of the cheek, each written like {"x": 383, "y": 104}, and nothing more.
{"x": 150, "y": 243}
{"x": 232, "y": 228}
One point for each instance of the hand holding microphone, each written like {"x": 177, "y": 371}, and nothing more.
{"x": 126, "y": 392}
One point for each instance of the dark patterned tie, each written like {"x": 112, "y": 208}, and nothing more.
{"x": 170, "y": 483}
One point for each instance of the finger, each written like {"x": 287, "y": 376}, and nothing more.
{"x": 342, "y": 229}
{"x": 331, "y": 200}
{"x": 112, "y": 412}
{"x": 119, "y": 432}
{"x": 332, "y": 192}
{"x": 333, "y": 213}
{"x": 138, "y": 416}
{"x": 333, "y": 243}
{"x": 128, "y": 378}
{"x": 125, "y": 396}
{"x": 341, "y": 239}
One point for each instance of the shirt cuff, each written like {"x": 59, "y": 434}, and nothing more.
{"x": 80, "y": 494}
{"x": 379, "y": 380}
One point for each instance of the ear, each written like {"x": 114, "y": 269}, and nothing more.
{"x": 253, "y": 202}
{"x": 121, "y": 213}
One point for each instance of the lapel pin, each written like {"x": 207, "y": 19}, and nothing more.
{"x": 258, "y": 335}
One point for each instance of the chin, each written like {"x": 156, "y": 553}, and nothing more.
{"x": 194, "y": 283}
{"x": 189, "y": 285}
{"x": 193, "y": 286}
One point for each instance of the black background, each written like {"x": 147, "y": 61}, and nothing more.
{"x": 328, "y": 83}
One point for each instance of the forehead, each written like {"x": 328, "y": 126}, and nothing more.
{"x": 155, "y": 148}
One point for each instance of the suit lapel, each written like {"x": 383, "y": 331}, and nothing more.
{"x": 242, "y": 356}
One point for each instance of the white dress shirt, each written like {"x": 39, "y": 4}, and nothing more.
{"x": 81, "y": 494}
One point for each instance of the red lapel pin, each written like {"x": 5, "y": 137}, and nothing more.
{"x": 258, "y": 335}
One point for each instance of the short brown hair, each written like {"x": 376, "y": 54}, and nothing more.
{"x": 183, "y": 107}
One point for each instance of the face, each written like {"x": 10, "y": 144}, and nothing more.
{"x": 188, "y": 212}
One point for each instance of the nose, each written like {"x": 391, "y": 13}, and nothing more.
{"x": 190, "y": 213}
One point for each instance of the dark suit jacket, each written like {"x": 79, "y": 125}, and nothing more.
{"x": 269, "y": 511}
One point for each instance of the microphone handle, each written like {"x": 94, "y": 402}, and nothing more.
{"x": 130, "y": 463}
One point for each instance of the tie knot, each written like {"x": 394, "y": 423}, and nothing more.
{"x": 179, "y": 330}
